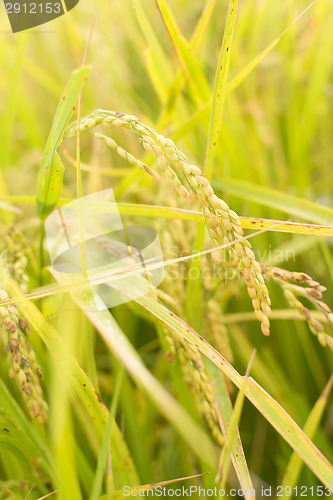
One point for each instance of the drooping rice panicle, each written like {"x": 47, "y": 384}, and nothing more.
{"x": 223, "y": 224}
{"x": 24, "y": 368}
{"x": 312, "y": 291}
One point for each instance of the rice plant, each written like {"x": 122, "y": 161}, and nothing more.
{"x": 211, "y": 123}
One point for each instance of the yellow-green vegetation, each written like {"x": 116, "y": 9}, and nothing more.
{"x": 212, "y": 123}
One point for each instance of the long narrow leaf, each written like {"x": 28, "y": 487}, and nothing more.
{"x": 82, "y": 384}
{"x": 268, "y": 406}
{"x": 157, "y": 61}
{"x": 156, "y": 211}
{"x": 50, "y": 175}
{"x": 236, "y": 80}
{"x": 294, "y": 467}
{"x": 279, "y": 200}
{"x": 220, "y": 88}
{"x": 196, "y": 78}
{"x": 232, "y": 443}
{"x": 237, "y": 451}
{"x": 117, "y": 495}
{"x": 129, "y": 358}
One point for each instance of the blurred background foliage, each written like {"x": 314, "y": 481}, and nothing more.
{"x": 277, "y": 133}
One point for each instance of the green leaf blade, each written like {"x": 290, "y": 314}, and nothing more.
{"x": 50, "y": 174}
{"x": 220, "y": 88}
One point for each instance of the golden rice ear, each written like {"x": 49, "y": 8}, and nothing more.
{"x": 201, "y": 386}
{"x": 22, "y": 361}
{"x": 23, "y": 366}
{"x": 312, "y": 291}
{"x": 223, "y": 224}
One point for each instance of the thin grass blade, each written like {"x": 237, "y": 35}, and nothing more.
{"x": 279, "y": 200}
{"x": 237, "y": 451}
{"x": 82, "y": 385}
{"x": 232, "y": 437}
{"x": 143, "y": 488}
{"x": 220, "y": 88}
{"x": 51, "y": 171}
{"x": 121, "y": 347}
{"x": 268, "y": 406}
{"x": 196, "y": 79}
{"x": 235, "y": 82}
{"x": 295, "y": 464}
{"x": 158, "y": 65}
{"x": 155, "y": 211}
{"x": 105, "y": 447}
